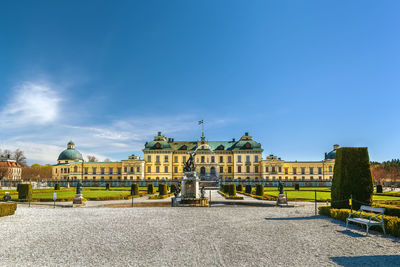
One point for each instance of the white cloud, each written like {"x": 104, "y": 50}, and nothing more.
{"x": 31, "y": 103}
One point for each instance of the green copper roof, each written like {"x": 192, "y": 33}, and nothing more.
{"x": 70, "y": 154}
{"x": 192, "y": 145}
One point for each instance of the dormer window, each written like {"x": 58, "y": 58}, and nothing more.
{"x": 247, "y": 145}
{"x": 184, "y": 147}
{"x": 157, "y": 146}
{"x": 220, "y": 147}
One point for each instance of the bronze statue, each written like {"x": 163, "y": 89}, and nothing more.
{"x": 189, "y": 164}
{"x": 280, "y": 187}
{"x": 79, "y": 187}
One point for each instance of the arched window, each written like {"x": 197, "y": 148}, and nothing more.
{"x": 212, "y": 171}
{"x": 76, "y": 169}
{"x": 202, "y": 170}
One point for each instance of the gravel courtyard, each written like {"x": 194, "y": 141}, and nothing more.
{"x": 222, "y": 236}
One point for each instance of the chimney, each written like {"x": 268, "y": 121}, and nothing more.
{"x": 233, "y": 140}
{"x": 336, "y": 146}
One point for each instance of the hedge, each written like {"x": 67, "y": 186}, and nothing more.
{"x": 24, "y": 191}
{"x": 163, "y": 189}
{"x": 239, "y": 188}
{"x": 7, "y": 209}
{"x": 260, "y": 190}
{"x": 107, "y": 186}
{"x": 352, "y": 176}
{"x": 228, "y": 196}
{"x": 232, "y": 190}
{"x": 57, "y": 186}
{"x": 248, "y": 189}
{"x": 134, "y": 189}
{"x": 390, "y": 210}
{"x": 296, "y": 187}
{"x": 392, "y": 224}
{"x": 379, "y": 189}
{"x": 173, "y": 188}
{"x": 150, "y": 189}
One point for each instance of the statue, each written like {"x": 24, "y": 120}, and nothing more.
{"x": 280, "y": 187}
{"x": 203, "y": 192}
{"x": 177, "y": 191}
{"x": 79, "y": 188}
{"x": 189, "y": 164}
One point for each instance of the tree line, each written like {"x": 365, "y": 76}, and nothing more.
{"x": 386, "y": 171}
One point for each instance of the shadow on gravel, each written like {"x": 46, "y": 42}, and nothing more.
{"x": 351, "y": 233}
{"x": 293, "y": 218}
{"x": 377, "y": 260}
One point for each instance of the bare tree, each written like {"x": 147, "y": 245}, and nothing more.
{"x": 107, "y": 160}
{"x": 7, "y": 153}
{"x": 19, "y": 157}
{"x": 92, "y": 158}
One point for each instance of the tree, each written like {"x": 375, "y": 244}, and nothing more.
{"x": 107, "y": 160}
{"x": 19, "y": 157}
{"x": 92, "y": 158}
{"x": 352, "y": 177}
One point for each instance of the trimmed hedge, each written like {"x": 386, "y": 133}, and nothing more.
{"x": 231, "y": 190}
{"x": 379, "y": 189}
{"x": 392, "y": 224}
{"x": 248, "y": 189}
{"x": 239, "y": 188}
{"x": 260, "y": 190}
{"x": 352, "y": 176}
{"x": 163, "y": 189}
{"x": 390, "y": 210}
{"x": 134, "y": 189}
{"x": 107, "y": 186}
{"x": 150, "y": 189}
{"x": 7, "y": 209}
{"x": 296, "y": 187}
{"x": 57, "y": 186}
{"x": 24, "y": 191}
{"x": 173, "y": 188}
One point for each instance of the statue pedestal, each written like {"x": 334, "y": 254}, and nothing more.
{"x": 191, "y": 195}
{"x": 281, "y": 200}
{"x": 78, "y": 201}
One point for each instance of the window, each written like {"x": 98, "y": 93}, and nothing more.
{"x": 76, "y": 169}
{"x": 229, "y": 159}
{"x": 294, "y": 170}
{"x": 221, "y": 169}
{"x": 165, "y": 168}
{"x": 125, "y": 169}
{"x": 212, "y": 159}
{"x": 86, "y": 170}
{"x": 175, "y": 169}
{"x": 294, "y": 178}
{"x": 119, "y": 170}
{"x": 319, "y": 170}
{"x": 102, "y": 170}
{"x": 202, "y": 159}
{"x": 131, "y": 169}
{"x": 248, "y": 169}
{"x": 255, "y": 158}
{"x": 330, "y": 168}
{"x": 165, "y": 158}
{"x": 184, "y": 159}
{"x": 149, "y": 169}
{"x": 303, "y": 170}
{"x": 157, "y": 169}
{"x": 158, "y": 159}
{"x": 94, "y": 170}
{"x": 175, "y": 159}
{"x": 247, "y": 159}
{"x": 311, "y": 170}
{"x": 221, "y": 159}
{"x": 239, "y": 158}
{"x": 311, "y": 178}
{"x": 239, "y": 169}
{"x": 138, "y": 169}
{"x": 148, "y": 158}
{"x": 229, "y": 169}
{"x": 110, "y": 170}
{"x": 266, "y": 169}
{"x": 280, "y": 169}
{"x": 273, "y": 169}
{"x": 256, "y": 169}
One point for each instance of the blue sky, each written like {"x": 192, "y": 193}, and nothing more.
{"x": 298, "y": 75}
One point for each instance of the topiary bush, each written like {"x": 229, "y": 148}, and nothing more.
{"x": 260, "y": 190}
{"x": 173, "y": 188}
{"x": 162, "y": 189}
{"x": 248, "y": 189}
{"x": 107, "y": 186}
{"x": 296, "y": 187}
{"x": 232, "y": 190}
{"x": 57, "y": 186}
{"x": 240, "y": 188}
{"x": 379, "y": 188}
{"x": 7, "y": 209}
{"x": 24, "y": 191}
{"x": 150, "y": 189}
{"x": 134, "y": 190}
{"x": 352, "y": 176}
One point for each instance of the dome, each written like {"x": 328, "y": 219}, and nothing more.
{"x": 157, "y": 145}
{"x": 70, "y": 153}
{"x": 331, "y": 155}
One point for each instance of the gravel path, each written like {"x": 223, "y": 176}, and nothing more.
{"x": 223, "y": 236}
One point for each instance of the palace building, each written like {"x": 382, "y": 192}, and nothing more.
{"x": 164, "y": 159}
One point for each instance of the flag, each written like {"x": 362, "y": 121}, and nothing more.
{"x": 201, "y": 122}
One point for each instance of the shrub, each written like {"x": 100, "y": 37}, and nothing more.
{"x": 379, "y": 189}
{"x": 173, "y": 188}
{"x": 162, "y": 189}
{"x": 248, "y": 189}
{"x": 240, "y": 188}
{"x": 150, "y": 189}
{"x": 7, "y": 209}
{"x": 57, "y": 186}
{"x": 352, "y": 176}
{"x": 231, "y": 190}
{"x": 296, "y": 187}
{"x": 390, "y": 210}
{"x": 260, "y": 190}
{"x": 134, "y": 190}
{"x": 324, "y": 210}
{"x": 24, "y": 191}
{"x": 107, "y": 186}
